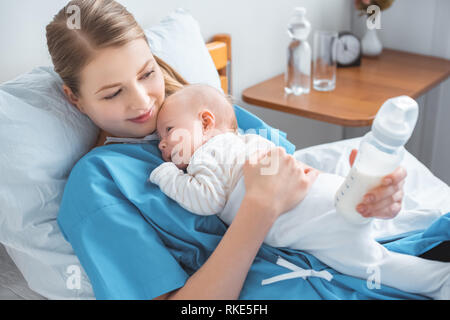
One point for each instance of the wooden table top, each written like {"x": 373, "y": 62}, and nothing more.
{"x": 360, "y": 91}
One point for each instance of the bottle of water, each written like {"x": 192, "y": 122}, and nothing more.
{"x": 380, "y": 153}
{"x": 298, "y": 72}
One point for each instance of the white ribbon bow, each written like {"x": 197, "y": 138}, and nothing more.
{"x": 297, "y": 273}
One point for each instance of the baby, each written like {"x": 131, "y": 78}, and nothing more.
{"x": 198, "y": 132}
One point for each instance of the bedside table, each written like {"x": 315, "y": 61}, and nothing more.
{"x": 360, "y": 91}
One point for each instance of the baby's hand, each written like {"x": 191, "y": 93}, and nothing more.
{"x": 385, "y": 200}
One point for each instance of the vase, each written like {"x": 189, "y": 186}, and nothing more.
{"x": 371, "y": 45}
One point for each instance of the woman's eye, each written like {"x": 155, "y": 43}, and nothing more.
{"x": 145, "y": 76}
{"x": 169, "y": 128}
{"x": 114, "y": 95}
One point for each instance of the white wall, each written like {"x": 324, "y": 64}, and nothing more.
{"x": 257, "y": 27}
{"x": 259, "y": 44}
{"x": 421, "y": 27}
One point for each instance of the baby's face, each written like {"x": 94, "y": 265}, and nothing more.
{"x": 180, "y": 131}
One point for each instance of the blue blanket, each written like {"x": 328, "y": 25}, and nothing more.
{"x": 136, "y": 243}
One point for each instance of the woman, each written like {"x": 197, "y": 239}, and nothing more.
{"x": 110, "y": 74}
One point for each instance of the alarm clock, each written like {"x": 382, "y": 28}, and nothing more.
{"x": 348, "y": 50}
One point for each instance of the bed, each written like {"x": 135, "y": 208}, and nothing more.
{"x": 12, "y": 283}
{"x": 28, "y": 274}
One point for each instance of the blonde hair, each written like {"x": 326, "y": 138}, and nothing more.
{"x": 103, "y": 23}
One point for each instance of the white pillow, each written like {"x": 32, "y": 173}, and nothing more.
{"x": 41, "y": 138}
{"x": 180, "y": 32}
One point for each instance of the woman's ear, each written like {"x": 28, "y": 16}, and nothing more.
{"x": 208, "y": 120}
{"x": 73, "y": 99}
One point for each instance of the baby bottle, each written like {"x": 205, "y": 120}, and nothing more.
{"x": 380, "y": 153}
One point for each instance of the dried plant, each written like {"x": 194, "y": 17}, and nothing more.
{"x": 362, "y": 5}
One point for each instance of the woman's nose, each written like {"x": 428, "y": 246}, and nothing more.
{"x": 140, "y": 98}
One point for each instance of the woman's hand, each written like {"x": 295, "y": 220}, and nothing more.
{"x": 385, "y": 200}
{"x": 277, "y": 181}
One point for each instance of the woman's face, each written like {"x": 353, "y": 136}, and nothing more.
{"x": 122, "y": 90}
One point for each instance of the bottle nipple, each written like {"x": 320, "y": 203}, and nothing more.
{"x": 395, "y": 121}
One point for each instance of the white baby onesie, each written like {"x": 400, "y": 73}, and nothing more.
{"x": 214, "y": 184}
{"x": 212, "y": 173}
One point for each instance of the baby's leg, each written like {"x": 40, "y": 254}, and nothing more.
{"x": 408, "y": 273}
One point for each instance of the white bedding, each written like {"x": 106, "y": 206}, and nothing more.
{"x": 12, "y": 284}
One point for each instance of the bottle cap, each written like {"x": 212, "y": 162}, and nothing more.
{"x": 298, "y": 26}
{"x": 300, "y": 10}
{"x": 395, "y": 121}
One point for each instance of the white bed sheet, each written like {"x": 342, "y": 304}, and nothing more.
{"x": 12, "y": 284}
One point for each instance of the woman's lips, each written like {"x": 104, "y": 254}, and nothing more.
{"x": 144, "y": 117}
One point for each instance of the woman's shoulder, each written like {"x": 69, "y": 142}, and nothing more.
{"x": 94, "y": 156}
{"x": 92, "y": 171}
{"x": 106, "y": 176}
{"x": 119, "y": 153}
{"x": 113, "y": 166}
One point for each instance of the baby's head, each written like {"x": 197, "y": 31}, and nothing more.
{"x": 189, "y": 118}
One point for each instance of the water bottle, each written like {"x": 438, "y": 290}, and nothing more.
{"x": 298, "y": 72}
{"x": 380, "y": 153}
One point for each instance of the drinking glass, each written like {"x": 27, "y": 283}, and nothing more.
{"x": 324, "y": 60}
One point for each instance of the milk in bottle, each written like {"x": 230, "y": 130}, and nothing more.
{"x": 380, "y": 153}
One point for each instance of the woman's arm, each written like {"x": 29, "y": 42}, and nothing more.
{"x": 223, "y": 274}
